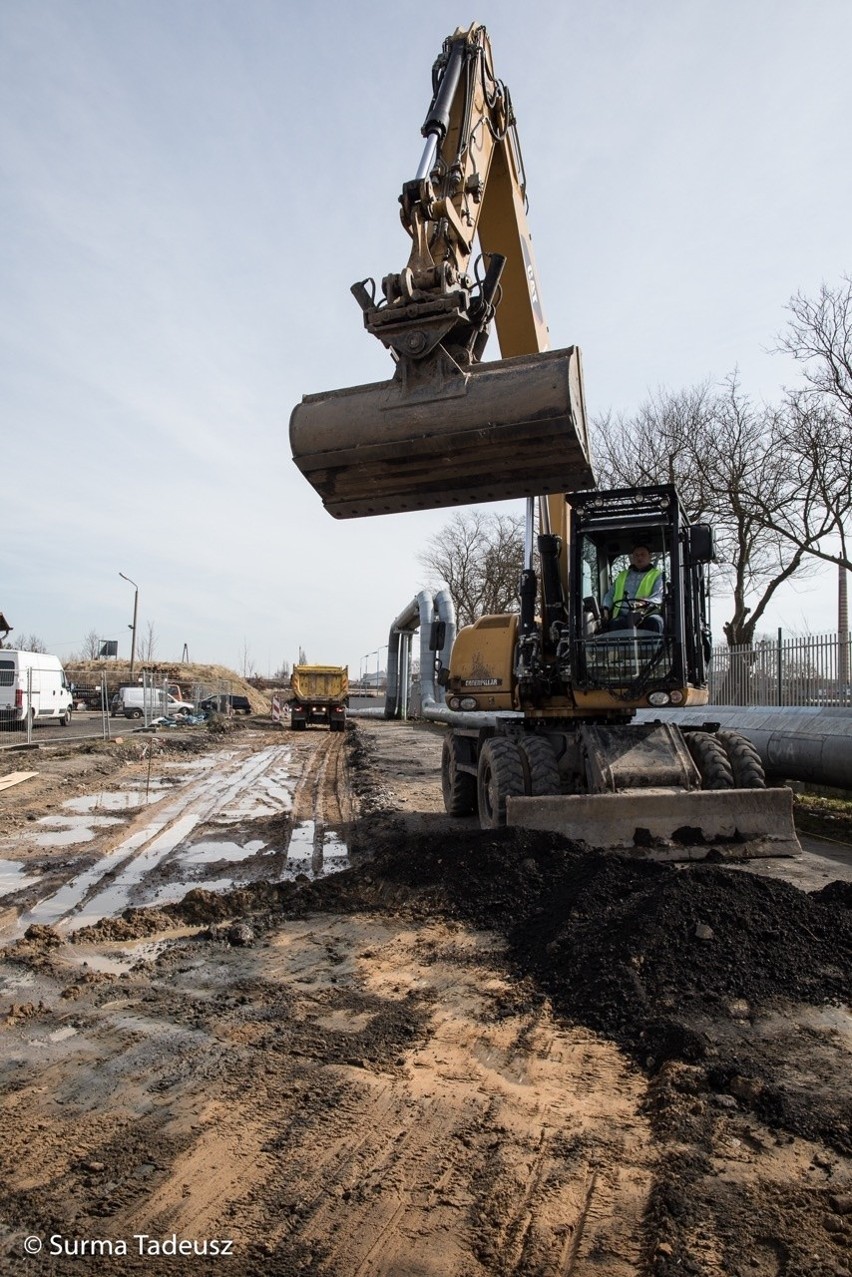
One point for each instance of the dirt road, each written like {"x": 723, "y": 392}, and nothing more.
{"x": 283, "y": 1016}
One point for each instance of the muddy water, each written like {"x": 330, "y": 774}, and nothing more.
{"x": 180, "y": 833}
{"x": 13, "y": 877}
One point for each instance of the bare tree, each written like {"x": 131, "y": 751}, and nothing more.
{"x": 812, "y": 435}
{"x": 91, "y": 646}
{"x": 715, "y": 446}
{"x": 478, "y": 557}
{"x": 247, "y": 662}
{"x": 819, "y": 337}
{"x": 303, "y": 660}
{"x": 148, "y": 643}
{"x": 30, "y": 643}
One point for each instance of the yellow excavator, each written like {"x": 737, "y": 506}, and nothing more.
{"x": 542, "y": 702}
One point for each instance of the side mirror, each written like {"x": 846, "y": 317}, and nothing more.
{"x": 700, "y": 543}
{"x": 592, "y": 607}
{"x": 437, "y": 636}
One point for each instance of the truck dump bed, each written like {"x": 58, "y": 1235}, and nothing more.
{"x": 318, "y": 683}
{"x": 320, "y": 695}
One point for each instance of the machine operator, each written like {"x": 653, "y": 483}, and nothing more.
{"x": 637, "y": 591}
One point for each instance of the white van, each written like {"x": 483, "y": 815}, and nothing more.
{"x": 133, "y": 701}
{"x": 33, "y": 684}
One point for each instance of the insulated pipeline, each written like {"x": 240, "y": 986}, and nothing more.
{"x": 805, "y": 743}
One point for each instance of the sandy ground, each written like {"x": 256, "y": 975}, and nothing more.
{"x": 280, "y": 1015}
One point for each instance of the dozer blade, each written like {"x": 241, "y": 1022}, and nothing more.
{"x": 668, "y": 825}
{"x": 436, "y": 436}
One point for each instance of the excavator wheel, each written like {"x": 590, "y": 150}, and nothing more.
{"x": 458, "y": 787}
{"x": 744, "y": 759}
{"x": 710, "y": 758}
{"x": 500, "y": 774}
{"x": 541, "y": 771}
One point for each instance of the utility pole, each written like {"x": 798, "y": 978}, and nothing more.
{"x": 842, "y": 630}
{"x": 135, "y": 613}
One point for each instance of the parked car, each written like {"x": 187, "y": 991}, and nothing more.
{"x": 133, "y": 701}
{"x": 222, "y": 702}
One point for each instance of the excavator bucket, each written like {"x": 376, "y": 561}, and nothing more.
{"x": 732, "y": 824}
{"x": 439, "y": 436}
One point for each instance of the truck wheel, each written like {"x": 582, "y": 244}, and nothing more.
{"x": 500, "y": 775}
{"x": 744, "y": 759}
{"x": 458, "y": 787}
{"x": 541, "y": 771}
{"x": 65, "y": 719}
{"x": 134, "y": 713}
{"x": 710, "y": 758}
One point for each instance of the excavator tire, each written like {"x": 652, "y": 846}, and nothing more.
{"x": 500, "y": 774}
{"x": 541, "y": 771}
{"x": 745, "y": 761}
{"x": 710, "y": 758}
{"x": 458, "y": 787}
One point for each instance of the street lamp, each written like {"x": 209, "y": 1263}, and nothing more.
{"x": 133, "y": 626}
{"x": 365, "y": 670}
{"x": 383, "y": 648}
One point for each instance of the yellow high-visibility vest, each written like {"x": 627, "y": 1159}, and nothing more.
{"x": 646, "y": 586}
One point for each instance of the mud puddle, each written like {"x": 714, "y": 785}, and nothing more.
{"x": 122, "y": 800}
{"x": 13, "y": 877}
{"x": 223, "y": 823}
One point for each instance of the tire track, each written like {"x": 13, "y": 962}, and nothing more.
{"x": 322, "y": 810}
{"x": 117, "y": 879}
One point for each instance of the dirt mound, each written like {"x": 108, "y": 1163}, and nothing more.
{"x": 188, "y": 675}
{"x": 681, "y": 964}
{"x": 687, "y": 964}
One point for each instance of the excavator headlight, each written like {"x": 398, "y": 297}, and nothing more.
{"x": 676, "y": 698}
{"x": 468, "y": 702}
{"x": 659, "y": 698}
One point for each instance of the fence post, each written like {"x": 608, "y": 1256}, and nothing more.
{"x": 30, "y": 710}
{"x": 106, "y": 731}
{"x": 780, "y": 670}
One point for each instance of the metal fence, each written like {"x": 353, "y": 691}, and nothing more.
{"x": 810, "y": 670}
{"x": 99, "y": 712}
{"x": 154, "y": 699}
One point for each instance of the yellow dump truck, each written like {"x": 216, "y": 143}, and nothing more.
{"x": 320, "y": 695}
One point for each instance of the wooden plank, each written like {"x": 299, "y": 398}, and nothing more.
{"x": 15, "y": 778}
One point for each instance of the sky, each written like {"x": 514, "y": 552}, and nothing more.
{"x": 189, "y": 187}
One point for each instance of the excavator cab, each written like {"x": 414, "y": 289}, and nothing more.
{"x": 645, "y": 650}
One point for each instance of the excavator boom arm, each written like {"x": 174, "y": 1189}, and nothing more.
{"x": 470, "y": 182}
{"x": 449, "y": 429}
